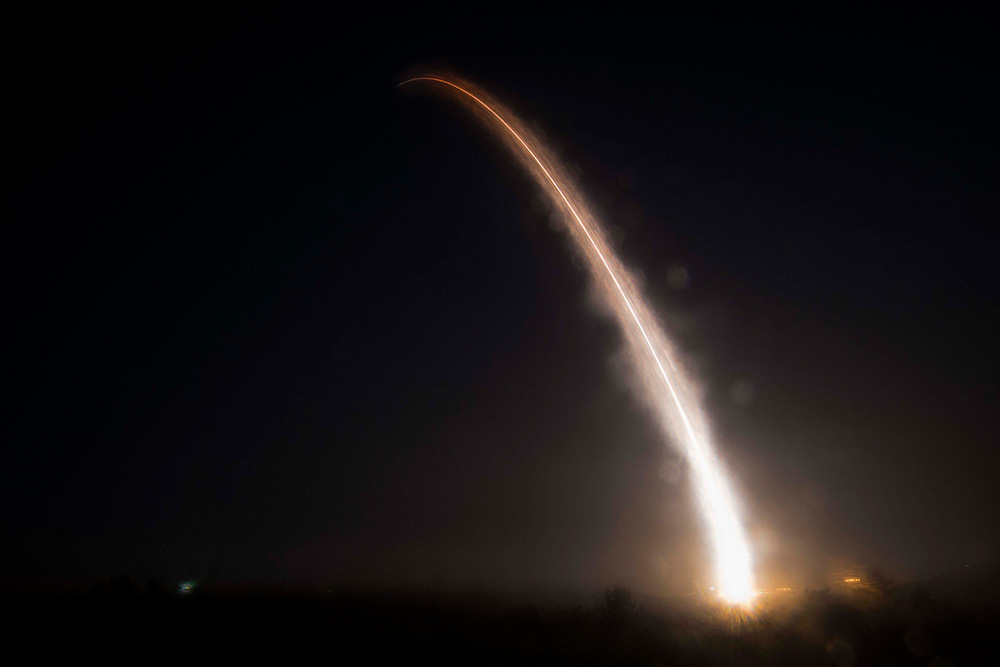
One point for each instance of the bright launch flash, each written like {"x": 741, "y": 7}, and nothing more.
{"x": 668, "y": 390}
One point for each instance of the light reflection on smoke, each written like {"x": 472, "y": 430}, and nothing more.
{"x": 667, "y": 389}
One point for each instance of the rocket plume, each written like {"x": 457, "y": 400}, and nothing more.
{"x": 667, "y": 389}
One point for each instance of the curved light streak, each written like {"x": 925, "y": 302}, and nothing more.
{"x": 733, "y": 563}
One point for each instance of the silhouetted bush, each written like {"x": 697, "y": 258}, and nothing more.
{"x": 618, "y": 603}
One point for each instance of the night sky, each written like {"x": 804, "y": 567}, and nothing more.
{"x": 272, "y": 319}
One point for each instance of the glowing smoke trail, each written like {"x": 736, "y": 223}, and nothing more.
{"x": 668, "y": 391}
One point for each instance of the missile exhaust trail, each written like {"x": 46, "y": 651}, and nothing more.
{"x": 668, "y": 391}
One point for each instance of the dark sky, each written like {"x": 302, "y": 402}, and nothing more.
{"x": 271, "y": 318}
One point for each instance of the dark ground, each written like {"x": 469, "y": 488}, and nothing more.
{"x": 888, "y": 625}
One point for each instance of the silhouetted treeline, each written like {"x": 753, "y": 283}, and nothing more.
{"x": 877, "y": 626}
